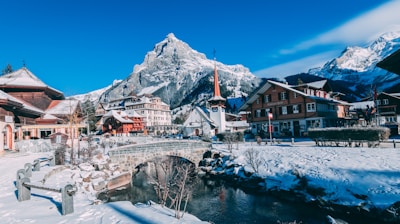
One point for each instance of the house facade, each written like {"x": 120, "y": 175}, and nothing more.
{"x": 155, "y": 115}
{"x": 388, "y": 111}
{"x": 287, "y": 110}
{"x": 122, "y": 123}
{"x": 31, "y": 109}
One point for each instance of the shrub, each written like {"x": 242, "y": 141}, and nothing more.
{"x": 353, "y": 133}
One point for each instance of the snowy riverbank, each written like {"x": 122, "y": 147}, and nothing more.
{"x": 366, "y": 180}
{"x": 44, "y": 206}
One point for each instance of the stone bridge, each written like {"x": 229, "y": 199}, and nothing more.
{"x": 130, "y": 156}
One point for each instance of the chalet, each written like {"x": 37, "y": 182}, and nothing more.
{"x": 388, "y": 111}
{"x": 28, "y": 109}
{"x": 388, "y": 105}
{"x": 122, "y": 122}
{"x": 291, "y": 110}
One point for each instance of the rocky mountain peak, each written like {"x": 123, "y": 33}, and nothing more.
{"x": 180, "y": 75}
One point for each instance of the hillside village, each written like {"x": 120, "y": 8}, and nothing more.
{"x": 31, "y": 109}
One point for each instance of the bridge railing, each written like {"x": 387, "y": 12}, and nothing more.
{"x": 161, "y": 145}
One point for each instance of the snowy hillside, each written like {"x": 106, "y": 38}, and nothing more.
{"x": 180, "y": 75}
{"x": 358, "y": 65}
{"x": 93, "y": 96}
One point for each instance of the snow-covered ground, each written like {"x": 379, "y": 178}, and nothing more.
{"x": 358, "y": 176}
{"x": 43, "y": 205}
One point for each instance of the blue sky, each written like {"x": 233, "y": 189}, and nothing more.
{"x": 80, "y": 46}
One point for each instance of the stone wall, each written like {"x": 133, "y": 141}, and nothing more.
{"x": 129, "y": 157}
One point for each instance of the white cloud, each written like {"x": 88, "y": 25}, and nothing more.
{"x": 298, "y": 66}
{"x": 358, "y": 30}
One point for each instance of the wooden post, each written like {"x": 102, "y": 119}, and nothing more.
{"x": 24, "y": 192}
{"x": 67, "y": 200}
{"x": 36, "y": 165}
{"x": 28, "y": 169}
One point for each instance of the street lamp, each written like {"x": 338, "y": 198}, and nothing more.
{"x": 270, "y": 116}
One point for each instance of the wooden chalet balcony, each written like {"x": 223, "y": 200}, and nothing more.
{"x": 387, "y": 110}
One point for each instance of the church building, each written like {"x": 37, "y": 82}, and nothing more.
{"x": 213, "y": 120}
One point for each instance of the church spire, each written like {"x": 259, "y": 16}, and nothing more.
{"x": 217, "y": 92}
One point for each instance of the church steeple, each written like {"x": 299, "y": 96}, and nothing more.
{"x": 217, "y": 104}
{"x": 217, "y": 92}
{"x": 217, "y": 98}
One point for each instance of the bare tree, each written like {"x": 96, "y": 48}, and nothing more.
{"x": 253, "y": 158}
{"x": 183, "y": 188}
{"x": 173, "y": 182}
{"x": 161, "y": 179}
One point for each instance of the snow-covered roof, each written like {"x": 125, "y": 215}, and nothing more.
{"x": 361, "y": 105}
{"x": 23, "y": 78}
{"x": 191, "y": 120}
{"x": 118, "y": 115}
{"x": 49, "y": 117}
{"x": 317, "y": 84}
{"x": 62, "y": 107}
{"x": 237, "y": 124}
{"x": 269, "y": 83}
{"x": 132, "y": 113}
{"x": 24, "y": 105}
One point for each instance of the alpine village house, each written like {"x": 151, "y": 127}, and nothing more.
{"x": 31, "y": 109}
{"x": 287, "y": 110}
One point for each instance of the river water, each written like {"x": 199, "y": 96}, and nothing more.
{"x": 216, "y": 201}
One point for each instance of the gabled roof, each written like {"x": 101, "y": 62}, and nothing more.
{"x": 62, "y": 107}
{"x": 394, "y": 95}
{"x": 391, "y": 63}
{"x": 316, "y": 85}
{"x": 118, "y": 115}
{"x": 19, "y": 105}
{"x": 202, "y": 115}
{"x": 25, "y": 79}
{"x": 269, "y": 84}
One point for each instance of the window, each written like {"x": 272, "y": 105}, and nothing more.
{"x": 311, "y": 107}
{"x": 391, "y": 119}
{"x": 267, "y": 98}
{"x": 296, "y": 109}
{"x": 258, "y": 101}
{"x": 283, "y": 110}
{"x": 294, "y": 95}
{"x": 378, "y": 102}
{"x": 385, "y": 101}
{"x": 258, "y": 113}
{"x": 282, "y": 96}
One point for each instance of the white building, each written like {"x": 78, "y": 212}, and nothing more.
{"x": 213, "y": 120}
{"x": 156, "y": 114}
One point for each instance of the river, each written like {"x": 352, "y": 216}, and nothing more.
{"x": 216, "y": 201}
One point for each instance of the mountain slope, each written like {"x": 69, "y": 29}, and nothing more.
{"x": 357, "y": 65}
{"x": 180, "y": 75}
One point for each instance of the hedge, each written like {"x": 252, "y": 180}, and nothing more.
{"x": 353, "y": 133}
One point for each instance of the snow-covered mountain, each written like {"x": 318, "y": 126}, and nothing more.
{"x": 180, "y": 75}
{"x": 95, "y": 95}
{"x": 357, "y": 65}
